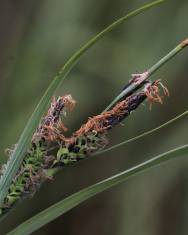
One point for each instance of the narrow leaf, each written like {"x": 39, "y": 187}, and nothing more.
{"x": 142, "y": 135}
{"x": 75, "y": 199}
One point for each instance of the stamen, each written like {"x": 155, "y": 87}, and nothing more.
{"x": 152, "y": 92}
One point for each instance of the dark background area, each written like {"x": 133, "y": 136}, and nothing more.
{"x": 36, "y": 38}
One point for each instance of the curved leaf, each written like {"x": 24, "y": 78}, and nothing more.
{"x": 75, "y": 199}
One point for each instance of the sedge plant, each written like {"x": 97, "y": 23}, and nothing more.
{"x": 43, "y": 149}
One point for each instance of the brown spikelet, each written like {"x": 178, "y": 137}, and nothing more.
{"x": 51, "y": 127}
{"x": 99, "y": 123}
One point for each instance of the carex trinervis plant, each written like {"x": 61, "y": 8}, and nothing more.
{"x": 50, "y": 149}
{"x": 44, "y": 148}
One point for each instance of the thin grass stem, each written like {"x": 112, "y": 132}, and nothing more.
{"x": 144, "y": 76}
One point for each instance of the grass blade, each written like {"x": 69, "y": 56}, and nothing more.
{"x": 72, "y": 201}
{"x": 24, "y": 140}
{"x": 142, "y": 135}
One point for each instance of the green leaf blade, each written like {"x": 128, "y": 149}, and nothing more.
{"x": 113, "y": 147}
{"x": 72, "y": 201}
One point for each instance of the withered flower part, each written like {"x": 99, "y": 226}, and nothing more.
{"x": 51, "y": 127}
{"x": 122, "y": 109}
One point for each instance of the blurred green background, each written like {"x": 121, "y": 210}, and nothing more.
{"x": 36, "y": 38}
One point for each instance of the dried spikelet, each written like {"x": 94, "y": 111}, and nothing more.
{"x": 51, "y": 127}
{"x": 100, "y": 122}
{"x": 108, "y": 119}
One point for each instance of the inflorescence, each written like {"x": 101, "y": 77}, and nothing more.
{"x": 51, "y": 150}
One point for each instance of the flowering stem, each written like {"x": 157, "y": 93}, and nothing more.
{"x": 21, "y": 148}
{"x": 169, "y": 56}
{"x": 132, "y": 87}
{"x": 138, "y": 79}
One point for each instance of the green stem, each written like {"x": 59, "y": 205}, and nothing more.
{"x": 75, "y": 199}
{"x": 148, "y": 73}
{"x": 165, "y": 59}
